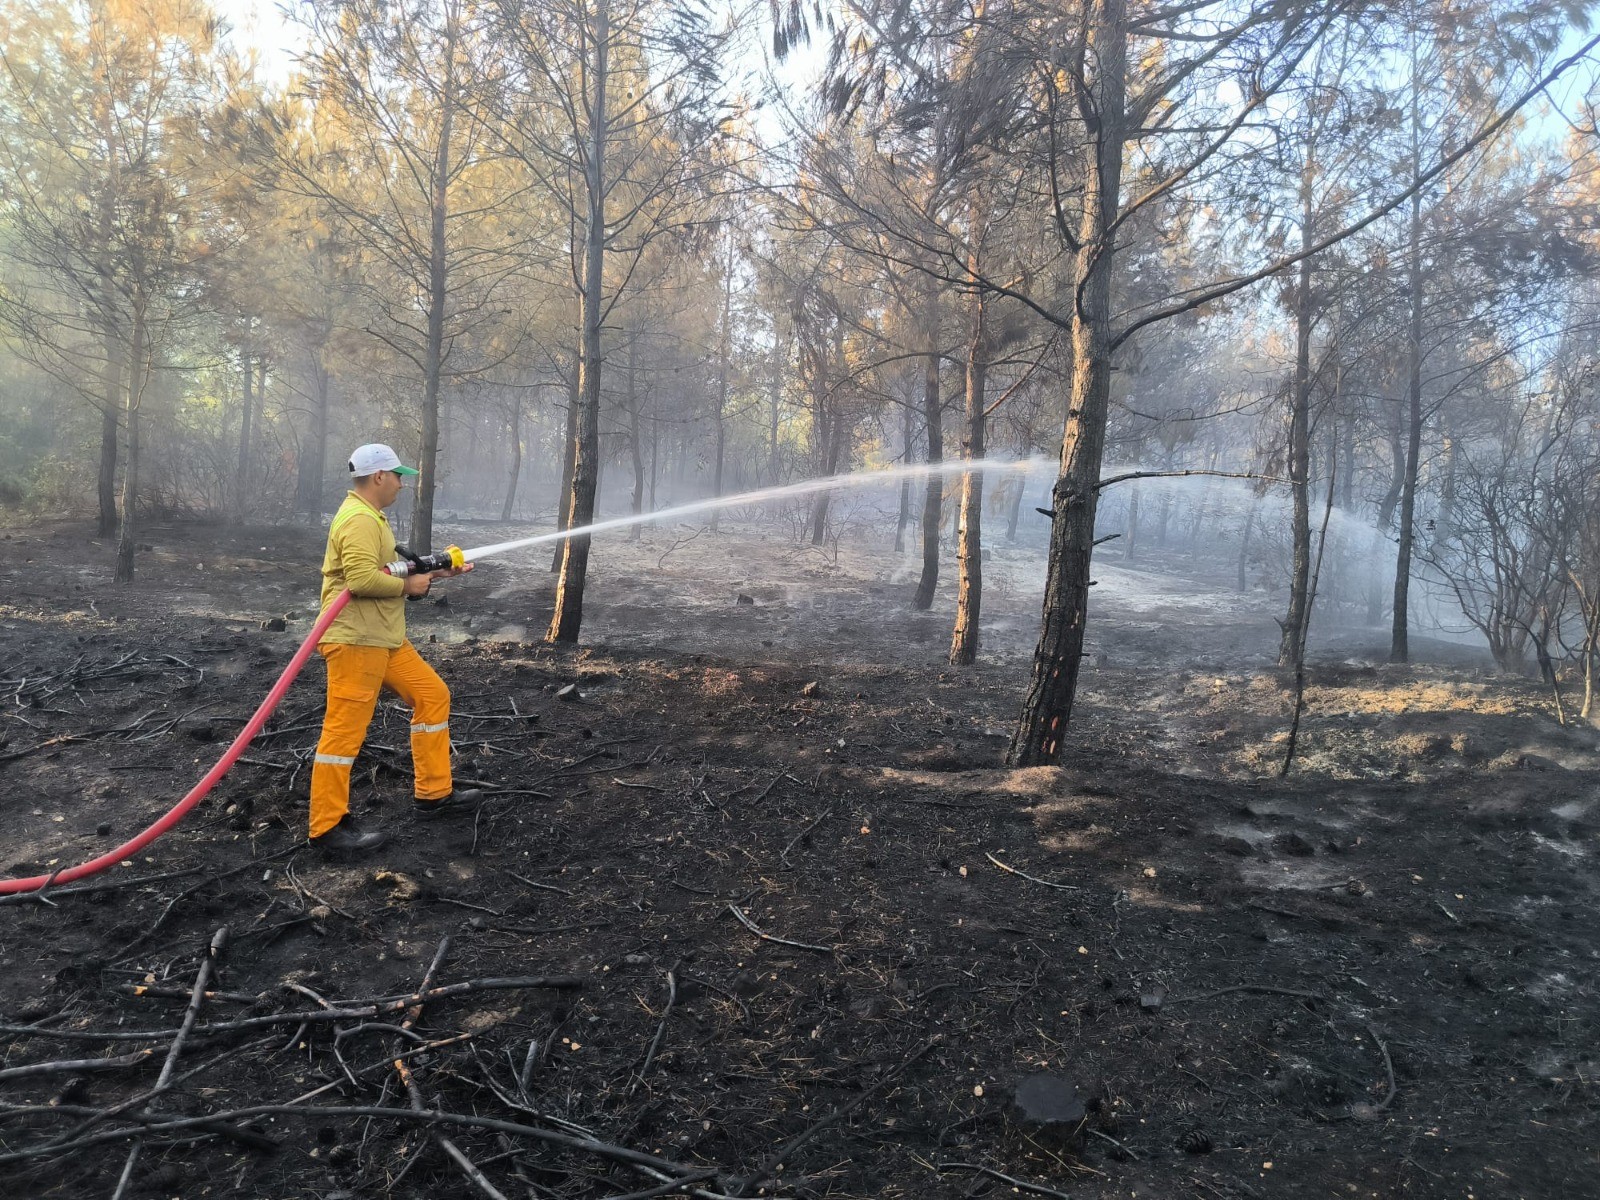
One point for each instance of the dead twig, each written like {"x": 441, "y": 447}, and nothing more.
{"x": 543, "y": 887}
{"x": 1106, "y": 1137}
{"x": 785, "y": 1153}
{"x": 680, "y": 542}
{"x": 783, "y": 855}
{"x": 1065, "y": 887}
{"x": 767, "y": 937}
{"x": 1372, "y": 1110}
{"x": 643, "y": 787}
{"x": 661, "y": 1029}
{"x": 343, "y": 1012}
{"x": 1021, "y": 1185}
{"x": 767, "y": 791}
{"x": 1253, "y": 988}
{"x": 191, "y": 1014}
{"x": 414, "y": 1091}
{"x": 154, "y": 1127}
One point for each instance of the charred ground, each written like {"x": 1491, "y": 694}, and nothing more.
{"x": 1374, "y": 978}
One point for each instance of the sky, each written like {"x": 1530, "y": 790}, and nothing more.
{"x": 265, "y": 29}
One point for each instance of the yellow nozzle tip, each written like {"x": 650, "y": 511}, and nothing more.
{"x": 457, "y": 559}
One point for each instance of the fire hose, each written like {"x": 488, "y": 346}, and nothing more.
{"x": 411, "y": 565}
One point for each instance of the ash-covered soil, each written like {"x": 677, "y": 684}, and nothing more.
{"x": 1374, "y": 978}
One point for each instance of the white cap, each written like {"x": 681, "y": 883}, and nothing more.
{"x": 375, "y": 457}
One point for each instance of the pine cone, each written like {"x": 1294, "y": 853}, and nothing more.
{"x": 1195, "y": 1141}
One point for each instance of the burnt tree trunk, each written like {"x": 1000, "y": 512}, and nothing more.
{"x": 569, "y": 454}
{"x": 568, "y": 616}
{"x": 138, "y": 376}
{"x": 908, "y": 430}
{"x": 438, "y": 296}
{"x": 634, "y": 446}
{"x": 110, "y": 438}
{"x": 933, "y": 495}
{"x": 1047, "y": 707}
{"x": 969, "y": 555}
{"x": 1290, "y": 649}
{"x": 515, "y": 431}
{"x": 313, "y": 458}
{"x": 241, "y": 482}
{"x": 725, "y": 350}
{"x": 1399, "y": 646}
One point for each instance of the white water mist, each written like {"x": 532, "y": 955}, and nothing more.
{"x": 957, "y": 466}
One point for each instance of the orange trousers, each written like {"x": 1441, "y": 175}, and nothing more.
{"x": 356, "y": 674}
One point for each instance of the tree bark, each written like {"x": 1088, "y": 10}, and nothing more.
{"x": 138, "y": 375}
{"x": 933, "y": 419}
{"x": 724, "y": 351}
{"x": 903, "y": 517}
{"x": 110, "y": 437}
{"x": 438, "y": 296}
{"x": 314, "y": 458}
{"x": 1130, "y": 538}
{"x": 1015, "y": 515}
{"x": 1399, "y": 646}
{"x": 634, "y": 446}
{"x": 969, "y": 555}
{"x": 567, "y": 619}
{"x": 1244, "y": 549}
{"x": 1290, "y": 651}
{"x": 516, "y": 455}
{"x": 838, "y": 433}
{"x": 1042, "y": 723}
{"x": 569, "y": 456}
{"x": 241, "y": 483}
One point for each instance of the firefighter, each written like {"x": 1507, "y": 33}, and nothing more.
{"x": 366, "y": 650}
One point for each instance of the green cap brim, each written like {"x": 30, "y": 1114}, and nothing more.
{"x": 406, "y": 471}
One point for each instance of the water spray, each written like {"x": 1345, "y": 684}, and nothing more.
{"x": 453, "y": 558}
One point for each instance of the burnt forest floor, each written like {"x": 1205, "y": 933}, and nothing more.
{"x": 1374, "y": 978}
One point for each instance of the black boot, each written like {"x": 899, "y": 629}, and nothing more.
{"x": 347, "y": 837}
{"x": 458, "y": 802}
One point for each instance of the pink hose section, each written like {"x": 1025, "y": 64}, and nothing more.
{"x": 198, "y": 793}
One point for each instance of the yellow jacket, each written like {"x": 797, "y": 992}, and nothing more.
{"x": 360, "y": 545}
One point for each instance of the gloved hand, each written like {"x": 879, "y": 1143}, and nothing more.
{"x": 416, "y": 561}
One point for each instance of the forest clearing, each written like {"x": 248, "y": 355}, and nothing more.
{"x": 1376, "y": 975}
{"x": 1033, "y": 623}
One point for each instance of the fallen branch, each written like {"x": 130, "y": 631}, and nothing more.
{"x": 1065, "y": 887}
{"x": 77, "y": 1065}
{"x": 661, "y": 1029}
{"x": 103, "y": 886}
{"x": 767, "y": 937}
{"x": 376, "y": 1008}
{"x": 414, "y": 1090}
{"x": 191, "y": 1014}
{"x": 162, "y": 991}
{"x": 1021, "y": 1185}
{"x": 666, "y": 1189}
{"x": 1254, "y": 988}
{"x": 1372, "y": 1110}
{"x": 622, "y": 1154}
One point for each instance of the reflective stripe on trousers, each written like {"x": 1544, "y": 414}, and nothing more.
{"x": 356, "y": 674}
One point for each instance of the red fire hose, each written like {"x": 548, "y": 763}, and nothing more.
{"x": 444, "y": 560}
{"x": 198, "y": 793}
